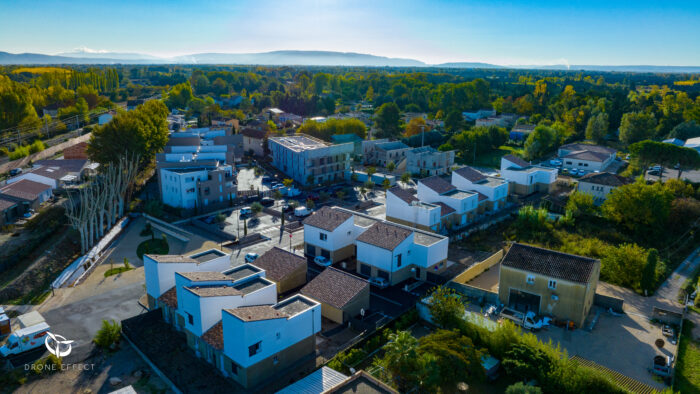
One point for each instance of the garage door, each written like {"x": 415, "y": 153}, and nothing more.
{"x": 523, "y": 301}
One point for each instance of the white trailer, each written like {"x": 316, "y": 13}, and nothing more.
{"x": 525, "y": 320}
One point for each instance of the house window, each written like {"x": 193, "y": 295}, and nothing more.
{"x": 254, "y": 349}
{"x": 279, "y": 335}
{"x": 323, "y": 236}
{"x": 552, "y": 284}
{"x": 275, "y": 360}
{"x": 531, "y": 279}
{"x": 398, "y": 260}
{"x": 190, "y": 319}
{"x": 234, "y": 368}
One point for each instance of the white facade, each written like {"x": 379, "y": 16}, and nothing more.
{"x": 429, "y": 160}
{"x": 302, "y": 157}
{"x": 461, "y": 201}
{"x": 417, "y": 212}
{"x": 496, "y": 189}
{"x": 160, "y": 276}
{"x": 271, "y": 335}
{"x": 180, "y": 186}
{"x": 527, "y": 175}
{"x": 341, "y": 237}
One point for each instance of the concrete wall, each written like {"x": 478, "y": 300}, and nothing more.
{"x": 478, "y": 268}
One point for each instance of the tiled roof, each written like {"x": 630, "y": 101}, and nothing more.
{"x": 256, "y": 313}
{"x": 588, "y": 155}
{"x": 470, "y": 174}
{"x": 6, "y": 204}
{"x": 254, "y": 133}
{"x": 362, "y": 383}
{"x": 334, "y": 287}
{"x": 169, "y": 298}
{"x": 407, "y": 195}
{"x": 170, "y": 258}
{"x": 384, "y": 235}
{"x": 445, "y": 209}
{"x": 516, "y": 160}
{"x": 57, "y": 169}
{"x": 550, "y": 263}
{"x": 576, "y": 146}
{"x": 606, "y": 178}
{"x": 204, "y": 276}
{"x": 327, "y": 218}
{"x": 214, "y": 291}
{"x": 215, "y": 336}
{"x": 25, "y": 189}
{"x": 437, "y": 184}
{"x": 279, "y": 263}
{"x": 482, "y": 196}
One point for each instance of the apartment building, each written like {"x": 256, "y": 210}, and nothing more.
{"x": 309, "y": 160}
{"x": 494, "y": 188}
{"x": 429, "y": 161}
{"x": 384, "y": 152}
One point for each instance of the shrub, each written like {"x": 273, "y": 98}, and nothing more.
{"x": 522, "y": 388}
{"x": 36, "y": 147}
{"x": 47, "y": 365}
{"x": 108, "y": 335}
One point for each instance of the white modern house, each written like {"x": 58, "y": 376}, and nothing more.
{"x": 309, "y": 160}
{"x": 524, "y": 178}
{"x": 383, "y": 249}
{"x": 494, "y": 188}
{"x": 231, "y": 317}
{"x": 437, "y": 190}
{"x": 586, "y": 157}
{"x": 404, "y": 207}
{"x": 329, "y": 232}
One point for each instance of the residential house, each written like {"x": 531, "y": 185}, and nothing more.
{"x": 521, "y": 132}
{"x": 498, "y": 121}
{"x": 309, "y": 160}
{"x": 384, "y": 152}
{"x": 9, "y": 210}
{"x": 368, "y": 146}
{"x": 253, "y": 141}
{"x": 548, "y": 282}
{"x": 494, "y": 188}
{"x": 674, "y": 141}
{"x": 26, "y": 194}
{"x": 693, "y": 143}
{"x": 437, "y": 190}
{"x": 404, "y": 207}
{"x": 342, "y": 295}
{"x": 408, "y": 116}
{"x": 286, "y": 269}
{"x": 328, "y": 232}
{"x": 480, "y": 114}
{"x": 601, "y": 184}
{"x": 586, "y": 157}
{"x": 361, "y": 382}
{"x": 525, "y": 179}
{"x": 427, "y": 160}
{"x": 273, "y": 114}
{"x": 56, "y": 173}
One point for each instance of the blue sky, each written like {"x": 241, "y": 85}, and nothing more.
{"x": 612, "y": 32}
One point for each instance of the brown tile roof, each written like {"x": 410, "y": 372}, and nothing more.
{"x": 214, "y": 291}
{"x": 327, "y": 218}
{"x": 577, "y": 146}
{"x": 482, "y": 196}
{"x": 470, "y": 174}
{"x": 588, "y": 155}
{"x": 205, "y": 276}
{"x": 516, "y": 160}
{"x": 437, "y": 184}
{"x": 407, "y": 195}
{"x": 384, "y": 235}
{"x": 607, "y": 179}
{"x": 334, "y": 287}
{"x": 170, "y": 258}
{"x": 77, "y": 151}
{"x": 445, "y": 209}
{"x": 256, "y": 313}
{"x": 550, "y": 263}
{"x": 169, "y": 298}
{"x": 361, "y": 383}
{"x": 25, "y": 189}
{"x": 215, "y": 336}
{"x": 279, "y": 263}
{"x": 254, "y": 133}
{"x": 57, "y": 169}
{"x": 6, "y": 204}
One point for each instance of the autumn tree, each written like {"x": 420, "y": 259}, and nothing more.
{"x": 416, "y": 126}
{"x": 640, "y": 208}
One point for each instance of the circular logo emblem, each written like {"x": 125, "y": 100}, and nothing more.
{"x": 57, "y": 344}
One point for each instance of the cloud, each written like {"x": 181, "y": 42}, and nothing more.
{"x": 84, "y": 49}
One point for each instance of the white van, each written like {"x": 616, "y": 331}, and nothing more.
{"x": 302, "y": 211}
{"x": 25, "y": 339}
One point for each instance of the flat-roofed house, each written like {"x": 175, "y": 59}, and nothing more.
{"x": 404, "y": 207}
{"x": 494, "y": 188}
{"x": 586, "y": 157}
{"x": 309, "y": 160}
{"x": 342, "y": 295}
{"x": 548, "y": 282}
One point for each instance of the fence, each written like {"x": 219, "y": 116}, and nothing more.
{"x": 478, "y": 268}
{"x": 479, "y": 296}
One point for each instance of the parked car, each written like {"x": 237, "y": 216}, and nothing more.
{"x": 254, "y": 197}
{"x": 266, "y": 179}
{"x": 322, "y": 261}
{"x": 287, "y": 208}
{"x": 250, "y": 257}
{"x": 245, "y": 211}
{"x": 653, "y": 172}
{"x": 655, "y": 168}
{"x": 573, "y": 172}
{"x": 302, "y": 211}
{"x": 267, "y": 202}
{"x": 15, "y": 171}
{"x": 379, "y": 282}
{"x": 555, "y": 162}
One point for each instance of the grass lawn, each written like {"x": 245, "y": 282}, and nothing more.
{"x": 115, "y": 271}
{"x": 687, "y": 379}
{"x": 493, "y": 158}
{"x": 152, "y": 246}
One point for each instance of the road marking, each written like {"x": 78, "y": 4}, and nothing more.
{"x": 386, "y": 299}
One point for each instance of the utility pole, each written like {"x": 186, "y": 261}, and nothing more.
{"x": 422, "y": 136}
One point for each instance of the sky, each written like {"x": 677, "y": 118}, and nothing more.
{"x": 612, "y": 32}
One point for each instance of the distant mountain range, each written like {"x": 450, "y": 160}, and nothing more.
{"x": 298, "y": 58}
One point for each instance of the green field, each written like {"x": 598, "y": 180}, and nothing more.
{"x": 687, "y": 379}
